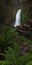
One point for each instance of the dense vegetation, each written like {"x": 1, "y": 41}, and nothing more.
{"x": 15, "y": 48}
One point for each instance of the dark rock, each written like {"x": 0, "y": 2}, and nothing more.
{"x": 25, "y": 30}
{"x": 2, "y": 57}
{"x": 24, "y": 50}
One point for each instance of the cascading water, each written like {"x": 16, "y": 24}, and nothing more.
{"x": 18, "y": 18}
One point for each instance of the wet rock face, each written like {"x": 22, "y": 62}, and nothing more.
{"x": 25, "y": 29}
{"x": 10, "y": 8}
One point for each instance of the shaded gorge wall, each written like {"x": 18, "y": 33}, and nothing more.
{"x": 8, "y": 9}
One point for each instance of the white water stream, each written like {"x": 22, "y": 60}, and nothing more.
{"x": 18, "y": 18}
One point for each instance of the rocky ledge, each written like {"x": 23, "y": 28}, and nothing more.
{"x": 25, "y": 29}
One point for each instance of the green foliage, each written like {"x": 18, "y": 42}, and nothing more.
{"x": 29, "y": 63}
{"x": 10, "y": 38}
{"x": 26, "y": 10}
{"x": 5, "y": 63}
{"x": 24, "y": 16}
{"x": 7, "y": 36}
{"x": 12, "y": 54}
{"x": 27, "y": 58}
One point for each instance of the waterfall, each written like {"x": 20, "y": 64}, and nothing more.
{"x": 18, "y": 18}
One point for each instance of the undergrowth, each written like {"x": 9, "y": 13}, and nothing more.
{"x": 10, "y": 43}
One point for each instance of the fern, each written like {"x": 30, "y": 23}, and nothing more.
{"x": 27, "y": 58}
{"x": 12, "y": 54}
{"x": 6, "y": 37}
{"x": 6, "y": 63}
{"x": 29, "y": 63}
